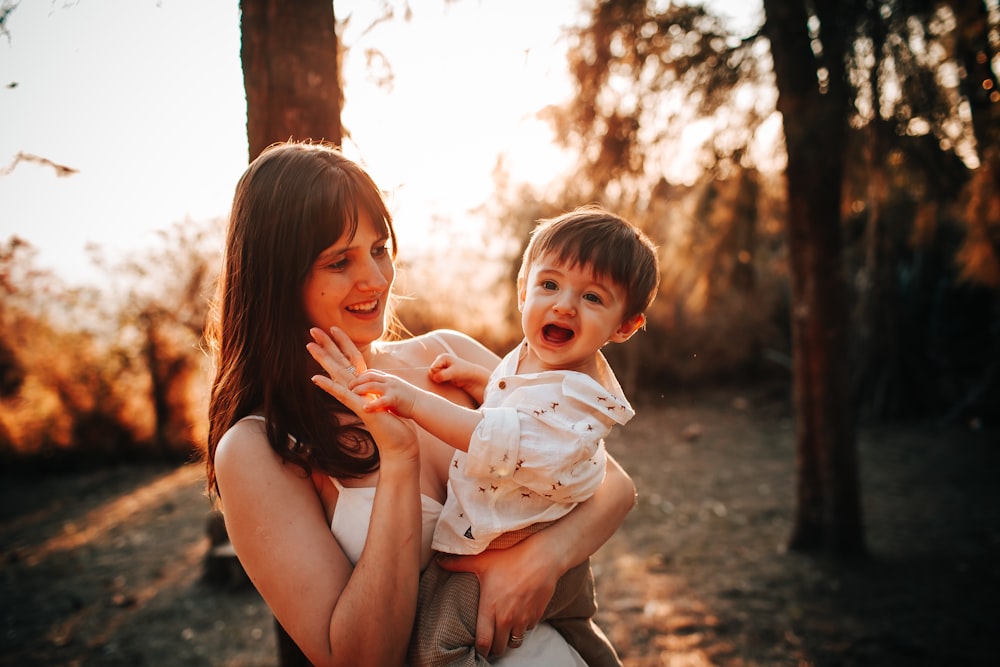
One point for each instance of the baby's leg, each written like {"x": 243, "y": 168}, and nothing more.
{"x": 445, "y": 629}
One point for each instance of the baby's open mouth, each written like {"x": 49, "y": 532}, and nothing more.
{"x": 556, "y": 334}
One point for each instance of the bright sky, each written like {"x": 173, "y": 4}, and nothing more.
{"x": 145, "y": 99}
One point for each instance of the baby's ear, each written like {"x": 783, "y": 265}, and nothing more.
{"x": 628, "y": 327}
{"x": 522, "y": 293}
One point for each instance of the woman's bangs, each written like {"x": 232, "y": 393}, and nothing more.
{"x": 337, "y": 201}
{"x": 334, "y": 212}
{"x": 371, "y": 200}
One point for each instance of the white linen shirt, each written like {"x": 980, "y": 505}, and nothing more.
{"x": 538, "y": 451}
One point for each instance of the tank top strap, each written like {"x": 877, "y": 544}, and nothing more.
{"x": 261, "y": 419}
{"x": 257, "y": 417}
{"x": 440, "y": 340}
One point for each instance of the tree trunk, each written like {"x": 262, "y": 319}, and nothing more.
{"x": 290, "y": 71}
{"x": 157, "y": 382}
{"x": 979, "y": 85}
{"x": 814, "y": 111}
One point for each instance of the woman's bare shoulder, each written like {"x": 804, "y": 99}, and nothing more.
{"x": 249, "y": 470}
{"x": 246, "y": 433}
{"x": 421, "y": 350}
{"x": 464, "y": 346}
{"x": 244, "y": 450}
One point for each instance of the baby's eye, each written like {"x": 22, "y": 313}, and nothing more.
{"x": 549, "y": 285}
{"x": 593, "y": 298}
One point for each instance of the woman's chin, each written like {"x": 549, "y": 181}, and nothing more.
{"x": 364, "y": 330}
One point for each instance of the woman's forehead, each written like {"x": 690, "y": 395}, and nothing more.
{"x": 366, "y": 231}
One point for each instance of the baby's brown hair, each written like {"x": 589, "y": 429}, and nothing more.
{"x": 609, "y": 245}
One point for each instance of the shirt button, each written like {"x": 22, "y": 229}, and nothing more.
{"x": 502, "y": 384}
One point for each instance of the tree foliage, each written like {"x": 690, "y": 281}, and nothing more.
{"x": 98, "y": 373}
{"x": 889, "y": 148}
{"x": 660, "y": 85}
{"x": 645, "y": 74}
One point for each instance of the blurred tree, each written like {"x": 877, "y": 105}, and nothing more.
{"x": 290, "y": 71}
{"x": 925, "y": 103}
{"x": 809, "y": 53}
{"x": 904, "y": 92}
{"x": 12, "y": 370}
{"x": 668, "y": 108}
{"x": 63, "y": 400}
{"x": 160, "y": 323}
{"x": 645, "y": 74}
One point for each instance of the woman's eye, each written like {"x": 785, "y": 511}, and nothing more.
{"x": 338, "y": 265}
{"x": 380, "y": 251}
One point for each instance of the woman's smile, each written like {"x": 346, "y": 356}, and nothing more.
{"x": 366, "y": 308}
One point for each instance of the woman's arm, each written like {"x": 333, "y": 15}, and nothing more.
{"x": 517, "y": 583}
{"x": 338, "y": 614}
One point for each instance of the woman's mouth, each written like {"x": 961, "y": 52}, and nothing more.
{"x": 366, "y": 308}
{"x": 553, "y": 333}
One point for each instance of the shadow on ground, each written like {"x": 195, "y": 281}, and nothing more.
{"x": 105, "y": 568}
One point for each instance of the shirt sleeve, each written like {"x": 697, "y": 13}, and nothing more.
{"x": 494, "y": 444}
{"x": 558, "y": 456}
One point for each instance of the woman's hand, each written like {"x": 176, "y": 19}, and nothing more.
{"x": 517, "y": 583}
{"x": 515, "y": 586}
{"x": 340, "y": 358}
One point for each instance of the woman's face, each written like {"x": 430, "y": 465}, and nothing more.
{"x": 348, "y": 284}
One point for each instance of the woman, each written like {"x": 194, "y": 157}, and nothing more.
{"x": 331, "y": 514}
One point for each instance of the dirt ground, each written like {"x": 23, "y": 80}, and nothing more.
{"x": 105, "y": 568}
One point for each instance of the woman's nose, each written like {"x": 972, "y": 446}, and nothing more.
{"x": 372, "y": 278}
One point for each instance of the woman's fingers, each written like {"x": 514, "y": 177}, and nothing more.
{"x": 507, "y": 634}
{"x": 340, "y": 370}
{"x": 335, "y": 389}
{"x": 337, "y": 354}
{"x": 350, "y": 351}
{"x": 342, "y": 361}
{"x": 499, "y": 620}
{"x": 325, "y": 351}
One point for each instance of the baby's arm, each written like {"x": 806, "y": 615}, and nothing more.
{"x": 452, "y": 423}
{"x": 470, "y": 377}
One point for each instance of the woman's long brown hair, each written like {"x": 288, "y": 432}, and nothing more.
{"x": 293, "y": 202}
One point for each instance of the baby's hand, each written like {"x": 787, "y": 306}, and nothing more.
{"x": 445, "y": 368}
{"x": 448, "y": 368}
{"x": 385, "y": 392}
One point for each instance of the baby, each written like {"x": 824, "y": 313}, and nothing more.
{"x": 535, "y": 447}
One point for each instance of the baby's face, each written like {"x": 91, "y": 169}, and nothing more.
{"x": 568, "y": 313}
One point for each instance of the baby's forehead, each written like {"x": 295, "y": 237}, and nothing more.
{"x": 553, "y": 261}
